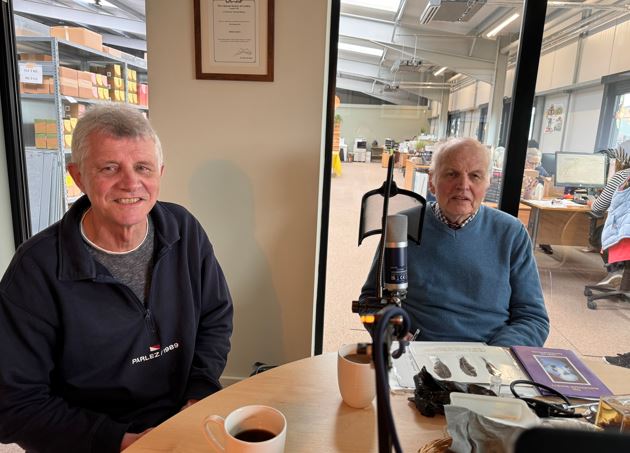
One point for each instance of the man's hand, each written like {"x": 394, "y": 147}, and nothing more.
{"x": 188, "y": 404}
{"x": 130, "y": 438}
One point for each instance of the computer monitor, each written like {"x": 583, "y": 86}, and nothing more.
{"x": 580, "y": 170}
{"x": 548, "y": 162}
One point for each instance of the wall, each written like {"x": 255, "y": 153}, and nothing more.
{"x": 378, "y": 122}
{"x": 245, "y": 158}
{"x": 7, "y": 244}
{"x": 582, "y": 120}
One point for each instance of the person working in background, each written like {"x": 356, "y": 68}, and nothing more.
{"x": 534, "y": 178}
{"x": 602, "y": 203}
{"x": 116, "y": 317}
{"x": 473, "y": 277}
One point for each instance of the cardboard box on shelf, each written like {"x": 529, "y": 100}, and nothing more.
{"x": 67, "y": 141}
{"x": 67, "y": 126}
{"x": 51, "y": 141}
{"x": 79, "y": 35}
{"x": 34, "y": 57}
{"x": 74, "y": 111}
{"x": 40, "y": 125}
{"x": 51, "y": 126}
{"x": 74, "y": 122}
{"x": 113, "y": 70}
{"x": 34, "y": 88}
{"x": 143, "y": 94}
{"x": 111, "y": 51}
{"x": 68, "y": 81}
{"x": 71, "y": 187}
{"x": 117, "y": 95}
{"x": 116, "y": 83}
{"x": 40, "y": 141}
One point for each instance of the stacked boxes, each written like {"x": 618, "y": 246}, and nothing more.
{"x": 68, "y": 81}
{"x": 46, "y": 87}
{"x": 132, "y": 86}
{"x": 45, "y": 133}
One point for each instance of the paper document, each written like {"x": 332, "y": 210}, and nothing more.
{"x": 467, "y": 363}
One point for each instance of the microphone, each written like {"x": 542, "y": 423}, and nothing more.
{"x": 395, "y": 270}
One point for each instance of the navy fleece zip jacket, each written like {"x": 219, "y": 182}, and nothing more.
{"x": 83, "y": 360}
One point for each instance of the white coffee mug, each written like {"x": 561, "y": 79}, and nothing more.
{"x": 249, "y": 429}
{"x": 355, "y": 376}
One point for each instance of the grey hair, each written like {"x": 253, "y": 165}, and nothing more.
{"x": 453, "y": 144}
{"x": 113, "y": 120}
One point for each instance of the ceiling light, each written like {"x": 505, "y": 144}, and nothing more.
{"x": 440, "y": 71}
{"x": 360, "y": 49}
{"x": 385, "y": 5}
{"x": 454, "y": 78}
{"x": 502, "y": 25}
{"x": 430, "y": 11}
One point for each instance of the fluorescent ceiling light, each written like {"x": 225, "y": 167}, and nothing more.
{"x": 502, "y": 25}
{"x": 429, "y": 11}
{"x": 360, "y": 49}
{"x": 385, "y": 5}
{"x": 440, "y": 71}
{"x": 455, "y": 77}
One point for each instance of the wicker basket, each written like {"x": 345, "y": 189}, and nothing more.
{"x": 437, "y": 446}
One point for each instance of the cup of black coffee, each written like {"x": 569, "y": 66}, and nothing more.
{"x": 248, "y": 429}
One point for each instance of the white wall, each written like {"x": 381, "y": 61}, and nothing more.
{"x": 378, "y": 122}
{"x": 583, "y": 120}
{"x": 245, "y": 158}
{"x": 7, "y": 244}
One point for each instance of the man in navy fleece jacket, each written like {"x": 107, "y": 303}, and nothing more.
{"x": 116, "y": 317}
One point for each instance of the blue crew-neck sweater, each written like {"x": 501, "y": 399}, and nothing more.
{"x": 477, "y": 283}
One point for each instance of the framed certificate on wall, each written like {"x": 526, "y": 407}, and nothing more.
{"x": 234, "y": 39}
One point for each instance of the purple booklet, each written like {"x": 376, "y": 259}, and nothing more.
{"x": 561, "y": 370}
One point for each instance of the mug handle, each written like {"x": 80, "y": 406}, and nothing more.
{"x": 208, "y": 431}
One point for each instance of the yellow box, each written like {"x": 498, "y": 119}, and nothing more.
{"x": 113, "y": 70}
{"x": 67, "y": 141}
{"x": 67, "y": 126}
{"x": 74, "y": 121}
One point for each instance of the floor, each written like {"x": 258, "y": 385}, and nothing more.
{"x": 563, "y": 275}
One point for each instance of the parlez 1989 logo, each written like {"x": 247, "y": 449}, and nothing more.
{"x": 155, "y": 351}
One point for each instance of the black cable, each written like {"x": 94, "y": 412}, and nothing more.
{"x": 543, "y": 408}
{"x": 386, "y": 425}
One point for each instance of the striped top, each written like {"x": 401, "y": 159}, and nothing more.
{"x": 601, "y": 204}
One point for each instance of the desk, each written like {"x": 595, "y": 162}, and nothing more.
{"x": 317, "y": 420}
{"x": 410, "y": 169}
{"x": 564, "y": 224}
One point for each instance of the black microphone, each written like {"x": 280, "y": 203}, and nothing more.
{"x": 395, "y": 265}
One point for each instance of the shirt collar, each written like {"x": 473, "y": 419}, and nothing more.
{"x": 435, "y": 207}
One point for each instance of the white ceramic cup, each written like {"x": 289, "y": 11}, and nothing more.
{"x": 223, "y": 433}
{"x": 357, "y": 381}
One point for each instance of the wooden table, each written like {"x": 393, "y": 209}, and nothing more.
{"x": 558, "y": 224}
{"x": 410, "y": 172}
{"x": 317, "y": 419}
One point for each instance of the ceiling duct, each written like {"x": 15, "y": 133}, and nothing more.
{"x": 450, "y": 10}
{"x": 409, "y": 65}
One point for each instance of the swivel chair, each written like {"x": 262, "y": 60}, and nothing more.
{"x": 609, "y": 292}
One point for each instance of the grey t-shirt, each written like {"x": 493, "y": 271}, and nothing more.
{"x": 133, "y": 268}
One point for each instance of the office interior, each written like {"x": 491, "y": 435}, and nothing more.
{"x": 251, "y": 161}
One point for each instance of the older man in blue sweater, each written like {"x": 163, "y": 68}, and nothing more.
{"x": 473, "y": 277}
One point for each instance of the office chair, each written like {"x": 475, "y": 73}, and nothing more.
{"x": 608, "y": 292}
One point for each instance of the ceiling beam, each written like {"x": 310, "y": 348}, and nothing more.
{"x": 61, "y": 13}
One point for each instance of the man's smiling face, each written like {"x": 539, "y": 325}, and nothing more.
{"x": 121, "y": 177}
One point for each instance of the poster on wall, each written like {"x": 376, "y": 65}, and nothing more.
{"x": 554, "y": 118}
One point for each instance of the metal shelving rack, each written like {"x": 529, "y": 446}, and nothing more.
{"x": 70, "y": 54}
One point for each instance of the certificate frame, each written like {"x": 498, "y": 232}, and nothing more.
{"x": 234, "y": 39}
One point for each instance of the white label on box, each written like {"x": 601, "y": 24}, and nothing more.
{"x": 31, "y": 73}
{"x": 71, "y": 100}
